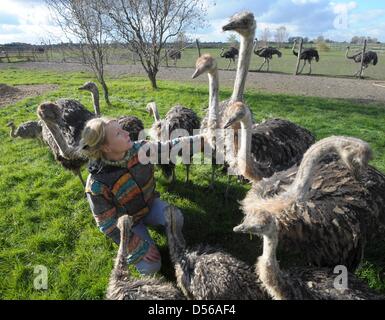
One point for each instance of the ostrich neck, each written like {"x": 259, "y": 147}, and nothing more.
{"x": 214, "y": 98}
{"x": 155, "y": 112}
{"x": 96, "y": 102}
{"x": 246, "y": 48}
{"x": 12, "y": 133}
{"x": 270, "y": 249}
{"x": 305, "y": 173}
{"x": 121, "y": 258}
{"x": 294, "y": 52}
{"x": 245, "y": 146}
{"x": 65, "y": 150}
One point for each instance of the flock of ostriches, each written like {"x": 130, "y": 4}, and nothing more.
{"x": 322, "y": 198}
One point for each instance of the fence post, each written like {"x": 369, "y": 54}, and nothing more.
{"x": 362, "y": 58}
{"x": 299, "y": 56}
{"x": 199, "y": 48}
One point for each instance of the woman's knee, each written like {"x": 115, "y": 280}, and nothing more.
{"x": 148, "y": 268}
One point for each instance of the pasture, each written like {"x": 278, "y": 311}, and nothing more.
{"x": 332, "y": 63}
{"x": 45, "y": 219}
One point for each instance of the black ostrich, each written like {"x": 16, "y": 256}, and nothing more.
{"x": 230, "y": 54}
{"x": 175, "y": 55}
{"x": 307, "y": 55}
{"x": 370, "y": 57}
{"x": 266, "y": 53}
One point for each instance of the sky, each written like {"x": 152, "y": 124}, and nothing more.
{"x": 30, "y": 20}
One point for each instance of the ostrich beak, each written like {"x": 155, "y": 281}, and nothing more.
{"x": 235, "y": 118}
{"x": 239, "y": 229}
{"x": 82, "y": 88}
{"x": 230, "y": 26}
{"x": 198, "y": 72}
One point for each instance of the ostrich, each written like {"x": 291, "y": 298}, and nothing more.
{"x": 131, "y": 124}
{"x": 370, "y": 57}
{"x": 177, "y": 118}
{"x": 327, "y": 219}
{"x": 307, "y": 55}
{"x": 93, "y": 89}
{"x": 205, "y": 273}
{"x": 298, "y": 283}
{"x": 27, "y": 130}
{"x": 62, "y": 124}
{"x": 122, "y": 287}
{"x": 230, "y": 54}
{"x": 276, "y": 144}
{"x": 175, "y": 55}
{"x": 266, "y": 53}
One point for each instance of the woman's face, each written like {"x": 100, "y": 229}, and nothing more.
{"x": 117, "y": 139}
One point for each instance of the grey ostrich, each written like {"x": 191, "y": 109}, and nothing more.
{"x": 123, "y": 287}
{"x": 230, "y": 54}
{"x": 62, "y": 124}
{"x": 307, "y": 55}
{"x": 298, "y": 283}
{"x": 177, "y": 118}
{"x": 206, "y": 273}
{"x": 326, "y": 211}
{"x": 27, "y": 130}
{"x": 266, "y": 53}
{"x": 132, "y": 124}
{"x": 370, "y": 57}
{"x": 175, "y": 55}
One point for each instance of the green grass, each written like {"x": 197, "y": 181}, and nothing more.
{"x": 45, "y": 219}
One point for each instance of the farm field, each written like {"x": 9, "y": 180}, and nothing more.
{"x": 332, "y": 63}
{"x": 44, "y": 216}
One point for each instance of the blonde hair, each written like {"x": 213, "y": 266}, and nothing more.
{"x": 93, "y": 137}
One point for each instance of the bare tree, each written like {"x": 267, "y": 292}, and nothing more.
{"x": 265, "y": 35}
{"x": 86, "y": 21}
{"x": 147, "y": 25}
{"x": 281, "y": 35}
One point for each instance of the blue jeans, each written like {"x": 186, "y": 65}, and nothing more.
{"x": 153, "y": 218}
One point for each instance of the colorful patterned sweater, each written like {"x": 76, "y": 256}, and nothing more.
{"x": 115, "y": 188}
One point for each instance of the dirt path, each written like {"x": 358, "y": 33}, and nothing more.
{"x": 315, "y": 86}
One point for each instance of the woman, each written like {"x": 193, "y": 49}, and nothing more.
{"x": 119, "y": 183}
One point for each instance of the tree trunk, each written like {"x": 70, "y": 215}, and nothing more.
{"x": 152, "y": 77}
{"x": 105, "y": 91}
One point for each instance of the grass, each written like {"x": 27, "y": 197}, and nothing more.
{"x": 45, "y": 219}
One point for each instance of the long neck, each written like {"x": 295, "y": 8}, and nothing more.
{"x": 96, "y": 102}
{"x": 311, "y": 158}
{"x": 275, "y": 281}
{"x": 245, "y": 50}
{"x": 176, "y": 242}
{"x": 294, "y": 52}
{"x": 245, "y": 147}
{"x": 120, "y": 265}
{"x": 214, "y": 98}
{"x": 155, "y": 112}
{"x": 12, "y": 132}
{"x": 65, "y": 150}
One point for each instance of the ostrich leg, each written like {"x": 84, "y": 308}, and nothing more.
{"x": 187, "y": 173}
{"x": 268, "y": 65}
{"x": 228, "y": 66}
{"x": 310, "y": 67}
{"x": 260, "y": 68}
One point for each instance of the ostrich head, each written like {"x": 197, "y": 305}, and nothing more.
{"x": 50, "y": 112}
{"x": 89, "y": 86}
{"x": 262, "y": 224}
{"x": 159, "y": 128}
{"x": 237, "y": 112}
{"x": 242, "y": 23}
{"x": 205, "y": 63}
{"x": 10, "y": 124}
{"x": 125, "y": 223}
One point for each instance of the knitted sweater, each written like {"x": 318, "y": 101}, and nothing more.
{"x": 125, "y": 187}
